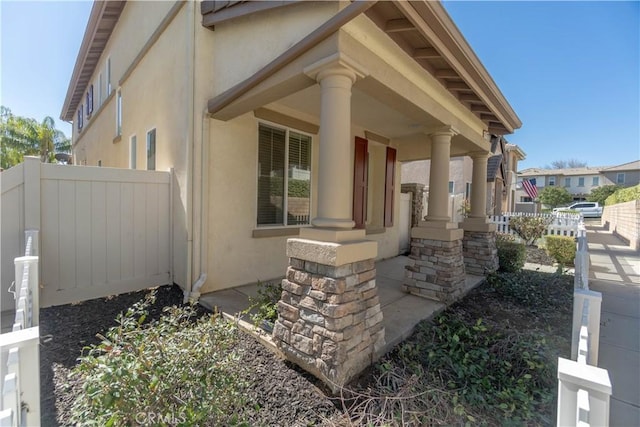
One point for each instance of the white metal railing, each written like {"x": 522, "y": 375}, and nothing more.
{"x": 19, "y": 352}
{"x": 560, "y": 224}
{"x": 584, "y": 390}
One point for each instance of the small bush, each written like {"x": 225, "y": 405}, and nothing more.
{"x": 263, "y": 307}
{"x": 562, "y": 249}
{"x": 511, "y": 255}
{"x": 529, "y": 228}
{"x": 174, "y": 371}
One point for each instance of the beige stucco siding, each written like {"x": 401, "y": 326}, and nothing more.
{"x": 236, "y": 257}
{"x": 156, "y": 95}
{"x": 246, "y": 44}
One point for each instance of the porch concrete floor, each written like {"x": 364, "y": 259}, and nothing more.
{"x": 401, "y": 311}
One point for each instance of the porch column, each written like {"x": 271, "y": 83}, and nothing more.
{"x": 329, "y": 316}
{"x": 479, "y": 243}
{"x": 438, "y": 209}
{"x": 436, "y": 269}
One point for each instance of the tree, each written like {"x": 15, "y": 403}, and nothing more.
{"x": 21, "y": 136}
{"x": 600, "y": 194}
{"x": 565, "y": 164}
{"x": 553, "y": 196}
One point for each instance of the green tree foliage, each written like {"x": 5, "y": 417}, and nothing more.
{"x": 624, "y": 195}
{"x": 554, "y": 196}
{"x": 21, "y": 136}
{"x": 600, "y": 194}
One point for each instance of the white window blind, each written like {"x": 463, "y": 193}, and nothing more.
{"x": 284, "y": 162}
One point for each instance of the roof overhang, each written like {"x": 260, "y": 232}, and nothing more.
{"x": 102, "y": 19}
{"x": 423, "y": 29}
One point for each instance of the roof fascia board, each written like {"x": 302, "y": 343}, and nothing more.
{"x": 432, "y": 20}
{"x": 97, "y": 11}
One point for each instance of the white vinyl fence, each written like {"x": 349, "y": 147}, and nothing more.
{"x": 584, "y": 389}
{"x": 560, "y": 224}
{"x": 103, "y": 231}
{"x": 19, "y": 351}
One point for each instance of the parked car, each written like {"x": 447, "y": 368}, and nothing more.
{"x": 587, "y": 209}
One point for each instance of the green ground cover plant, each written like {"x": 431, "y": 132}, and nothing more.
{"x": 488, "y": 360}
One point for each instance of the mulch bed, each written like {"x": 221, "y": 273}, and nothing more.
{"x": 285, "y": 394}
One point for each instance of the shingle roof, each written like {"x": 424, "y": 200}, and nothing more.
{"x": 635, "y": 165}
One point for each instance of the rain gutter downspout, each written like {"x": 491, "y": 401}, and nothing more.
{"x": 195, "y": 252}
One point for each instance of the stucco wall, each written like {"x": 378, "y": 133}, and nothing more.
{"x": 235, "y": 257}
{"x": 155, "y": 95}
{"x": 623, "y": 219}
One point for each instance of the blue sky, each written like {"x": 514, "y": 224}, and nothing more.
{"x": 570, "y": 70}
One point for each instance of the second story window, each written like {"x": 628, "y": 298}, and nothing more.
{"x": 595, "y": 182}
{"x": 151, "y": 150}
{"x": 581, "y": 182}
{"x": 620, "y": 178}
{"x": 567, "y": 182}
{"x": 108, "y": 72}
{"x": 90, "y": 101}
{"x": 119, "y": 113}
{"x": 80, "y": 117}
{"x": 552, "y": 180}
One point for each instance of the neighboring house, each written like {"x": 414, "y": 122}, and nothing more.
{"x": 501, "y": 177}
{"x": 285, "y": 124}
{"x": 581, "y": 181}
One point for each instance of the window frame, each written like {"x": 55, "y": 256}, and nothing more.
{"x": 452, "y": 187}
{"x": 552, "y": 181}
{"x": 595, "y": 181}
{"x": 108, "y": 86}
{"x": 581, "y": 181}
{"x": 133, "y": 152}
{"x": 153, "y": 131}
{"x": 618, "y": 176}
{"x": 567, "y": 182}
{"x": 285, "y": 182}
{"x": 119, "y": 112}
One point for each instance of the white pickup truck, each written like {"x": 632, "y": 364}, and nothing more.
{"x": 587, "y": 209}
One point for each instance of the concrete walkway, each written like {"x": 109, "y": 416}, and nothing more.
{"x": 615, "y": 272}
{"x": 401, "y": 311}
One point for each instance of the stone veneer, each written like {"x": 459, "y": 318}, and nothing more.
{"x": 435, "y": 269}
{"x": 329, "y": 319}
{"x": 480, "y": 252}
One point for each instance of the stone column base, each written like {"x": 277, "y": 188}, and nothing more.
{"x": 435, "y": 269}
{"x": 480, "y": 252}
{"x": 329, "y": 316}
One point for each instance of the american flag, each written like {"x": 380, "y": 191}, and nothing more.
{"x": 530, "y": 188}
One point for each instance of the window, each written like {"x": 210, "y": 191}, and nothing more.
{"x": 100, "y": 91}
{"x": 451, "y": 187}
{"x": 284, "y": 176}
{"x": 119, "y": 113}
{"x": 567, "y": 182}
{"x": 90, "y": 101}
{"x": 80, "y": 117}
{"x": 595, "y": 181}
{"x": 467, "y": 190}
{"x": 133, "y": 146}
{"x": 108, "y": 82}
{"x": 581, "y": 181}
{"x": 151, "y": 150}
{"x": 552, "y": 180}
{"x": 620, "y": 178}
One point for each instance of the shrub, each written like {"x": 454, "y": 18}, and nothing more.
{"x": 177, "y": 370}
{"x": 529, "y": 228}
{"x": 263, "y": 307}
{"x": 511, "y": 255}
{"x": 562, "y": 249}
{"x": 600, "y": 194}
{"x": 624, "y": 195}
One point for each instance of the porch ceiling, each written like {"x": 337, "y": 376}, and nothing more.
{"x": 425, "y": 32}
